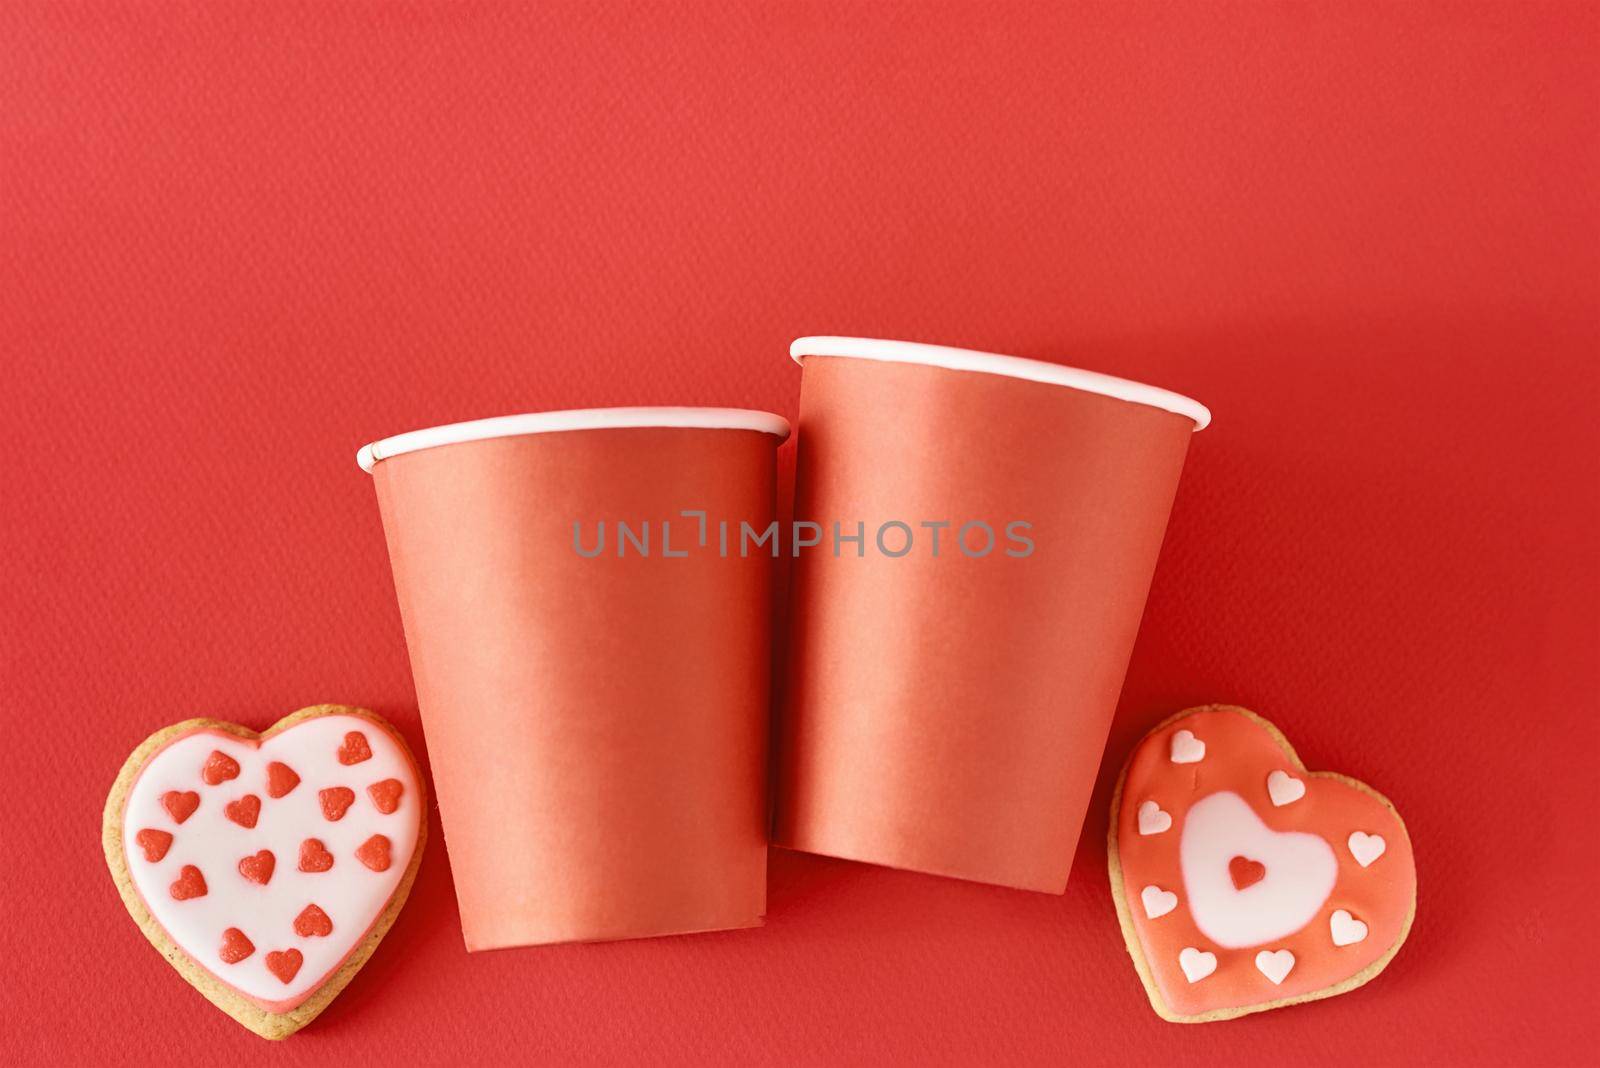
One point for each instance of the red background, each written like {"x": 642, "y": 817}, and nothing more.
{"x": 237, "y": 242}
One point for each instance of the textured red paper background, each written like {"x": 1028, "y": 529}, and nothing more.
{"x": 237, "y": 242}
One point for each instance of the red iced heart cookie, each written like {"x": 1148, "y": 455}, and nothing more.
{"x": 200, "y": 874}
{"x": 1266, "y": 885}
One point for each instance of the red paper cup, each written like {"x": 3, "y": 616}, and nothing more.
{"x": 596, "y": 723}
{"x": 946, "y": 713}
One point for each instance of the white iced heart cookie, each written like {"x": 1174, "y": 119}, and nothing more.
{"x": 1300, "y": 872}
{"x": 1284, "y": 788}
{"x": 1157, "y": 902}
{"x": 1196, "y": 964}
{"x": 267, "y": 867}
{"x": 1186, "y": 748}
{"x": 1152, "y": 820}
{"x": 1345, "y": 929}
{"x": 1367, "y": 848}
{"x": 1275, "y": 965}
{"x": 1261, "y": 895}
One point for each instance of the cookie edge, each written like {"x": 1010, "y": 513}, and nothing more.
{"x": 269, "y": 1025}
{"x": 1130, "y": 935}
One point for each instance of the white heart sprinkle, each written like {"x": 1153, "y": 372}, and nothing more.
{"x": 1367, "y": 848}
{"x": 1187, "y": 749}
{"x": 1152, "y": 820}
{"x": 1196, "y": 963}
{"x": 1346, "y": 929}
{"x": 1276, "y": 965}
{"x": 1284, "y": 788}
{"x": 1157, "y": 902}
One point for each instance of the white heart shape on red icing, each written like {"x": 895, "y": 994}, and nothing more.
{"x": 1284, "y": 789}
{"x": 1196, "y": 963}
{"x": 1367, "y": 848}
{"x": 1300, "y": 873}
{"x": 1275, "y": 965}
{"x": 350, "y": 894}
{"x": 1186, "y": 748}
{"x": 1157, "y": 902}
{"x": 1152, "y": 820}
{"x": 1345, "y": 928}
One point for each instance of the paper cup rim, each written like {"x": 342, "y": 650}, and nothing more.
{"x": 506, "y": 426}
{"x": 994, "y": 363}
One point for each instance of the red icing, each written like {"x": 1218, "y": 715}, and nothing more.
{"x": 386, "y": 795}
{"x": 219, "y": 767}
{"x": 154, "y": 843}
{"x": 314, "y": 856}
{"x": 284, "y": 963}
{"x": 1245, "y": 872}
{"x": 258, "y": 867}
{"x": 235, "y": 946}
{"x": 312, "y": 923}
{"x": 190, "y": 883}
{"x": 355, "y": 748}
{"x": 374, "y": 853}
{"x": 244, "y": 811}
{"x": 1240, "y": 754}
{"x": 280, "y": 779}
{"x": 336, "y": 800}
{"x": 180, "y": 804}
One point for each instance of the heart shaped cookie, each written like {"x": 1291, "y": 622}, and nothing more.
{"x": 207, "y": 830}
{"x": 1263, "y": 884}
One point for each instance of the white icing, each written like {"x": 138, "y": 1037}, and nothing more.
{"x": 1345, "y": 928}
{"x": 1157, "y": 902}
{"x": 1187, "y": 749}
{"x": 1196, "y": 963}
{"x": 1275, "y": 965}
{"x": 1284, "y": 788}
{"x": 1300, "y": 873}
{"x": 350, "y": 893}
{"x": 1367, "y": 848}
{"x": 1152, "y": 820}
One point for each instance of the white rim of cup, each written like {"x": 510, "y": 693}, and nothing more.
{"x": 507, "y": 426}
{"x": 993, "y": 363}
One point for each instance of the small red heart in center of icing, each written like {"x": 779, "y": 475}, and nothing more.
{"x": 235, "y": 946}
{"x": 336, "y": 800}
{"x": 280, "y": 779}
{"x": 374, "y": 853}
{"x": 355, "y": 748}
{"x": 258, "y": 867}
{"x": 180, "y": 804}
{"x": 386, "y": 795}
{"x": 154, "y": 843}
{"x": 1246, "y": 872}
{"x": 190, "y": 883}
{"x": 314, "y": 856}
{"x": 313, "y": 923}
{"x": 244, "y": 811}
{"x": 219, "y": 767}
{"x": 284, "y": 964}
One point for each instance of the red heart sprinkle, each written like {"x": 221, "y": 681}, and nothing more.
{"x": 154, "y": 843}
{"x": 190, "y": 883}
{"x": 355, "y": 748}
{"x": 1246, "y": 872}
{"x": 314, "y": 856}
{"x": 235, "y": 946}
{"x": 180, "y": 804}
{"x": 244, "y": 811}
{"x": 258, "y": 868}
{"x": 312, "y": 923}
{"x": 220, "y": 767}
{"x": 386, "y": 795}
{"x": 280, "y": 779}
{"x": 284, "y": 964}
{"x": 374, "y": 853}
{"x": 336, "y": 800}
